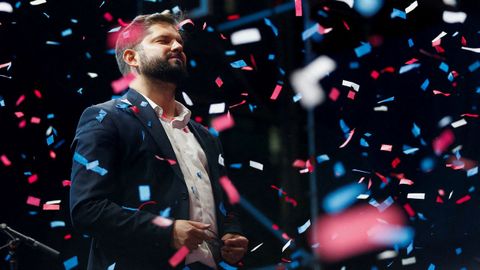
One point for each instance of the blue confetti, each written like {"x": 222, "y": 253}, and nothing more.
{"x": 409, "y": 150}
{"x": 226, "y": 266}
{"x": 431, "y": 266}
{"x": 407, "y": 68}
{"x": 101, "y": 115}
{"x": 427, "y": 164}
{"x": 304, "y": 227}
{"x": 367, "y": 8}
{"x": 309, "y": 32}
{"x": 144, "y": 192}
{"x": 444, "y": 67}
{"x": 238, "y": 64}
{"x": 193, "y": 63}
{"x": 50, "y": 116}
{"x": 144, "y": 104}
{"x": 363, "y": 49}
{"x": 410, "y": 248}
{"x": 385, "y": 204}
{"x": 271, "y": 57}
{"x": 415, "y": 130}
{"x": 66, "y": 32}
{"x": 342, "y": 198}
{"x": 450, "y": 77}
{"x": 297, "y": 97}
{"x": 57, "y": 223}
{"x": 50, "y": 139}
{"x": 396, "y": 13}
{"x": 472, "y": 171}
{"x": 236, "y": 165}
{"x": 364, "y": 142}
{"x": 49, "y": 42}
{"x": 322, "y": 158}
{"x": 221, "y": 207}
{"x": 394, "y": 235}
{"x": 354, "y": 65}
{"x": 474, "y": 66}
{"x": 269, "y": 23}
{"x": 230, "y": 52}
{"x": 166, "y": 212}
{"x": 338, "y": 169}
{"x": 425, "y": 84}
{"x": 70, "y": 263}
{"x": 344, "y": 126}
{"x": 410, "y": 42}
{"x": 386, "y": 100}
{"x": 213, "y": 132}
{"x": 2, "y": 102}
{"x": 111, "y": 267}
{"x": 458, "y": 251}
{"x": 80, "y": 159}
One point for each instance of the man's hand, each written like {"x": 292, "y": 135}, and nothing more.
{"x": 234, "y": 248}
{"x": 189, "y": 233}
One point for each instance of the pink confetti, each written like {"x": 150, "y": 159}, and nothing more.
{"x": 298, "y": 8}
{"x": 179, "y": 256}
{"x": 334, "y": 94}
{"x": 276, "y": 92}
{"x": 170, "y": 161}
{"x": 351, "y": 95}
{"x": 406, "y": 182}
{"x": 33, "y": 201}
{"x": 439, "y": 199}
{"x": 53, "y": 155}
{"x": 162, "y": 222}
{"x": 230, "y": 189}
{"x": 219, "y": 82}
{"x": 32, "y": 179}
{"x": 463, "y": 199}
{"x": 298, "y": 163}
{"x": 395, "y": 162}
{"x": 53, "y": 207}
{"x": 350, "y": 135}
{"x": 19, "y": 114}
{"x": 121, "y": 84}
{"x": 107, "y": 16}
{"x": 20, "y": 100}
{"x": 6, "y": 162}
{"x": 442, "y": 142}
{"x": 411, "y": 61}
{"x": 35, "y": 120}
{"x": 386, "y": 147}
{"x": 354, "y": 231}
{"x": 383, "y": 178}
{"x": 437, "y": 92}
{"x": 66, "y": 183}
{"x": 37, "y": 93}
{"x": 346, "y": 25}
{"x": 184, "y": 22}
{"x": 223, "y": 122}
{"x": 22, "y": 124}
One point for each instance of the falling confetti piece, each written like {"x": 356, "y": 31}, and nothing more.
{"x": 232, "y": 193}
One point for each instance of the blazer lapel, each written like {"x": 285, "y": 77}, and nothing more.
{"x": 147, "y": 116}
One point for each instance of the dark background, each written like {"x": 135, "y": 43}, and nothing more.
{"x": 270, "y": 132}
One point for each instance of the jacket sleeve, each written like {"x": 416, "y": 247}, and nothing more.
{"x": 231, "y": 222}
{"x": 95, "y": 186}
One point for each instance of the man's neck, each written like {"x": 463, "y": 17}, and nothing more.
{"x": 160, "y": 92}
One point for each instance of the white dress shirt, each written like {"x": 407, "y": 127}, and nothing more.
{"x": 194, "y": 166}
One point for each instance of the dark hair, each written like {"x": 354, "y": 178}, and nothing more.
{"x": 135, "y": 31}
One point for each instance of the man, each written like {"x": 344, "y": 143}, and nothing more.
{"x": 140, "y": 160}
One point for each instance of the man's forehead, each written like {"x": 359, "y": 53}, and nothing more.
{"x": 159, "y": 29}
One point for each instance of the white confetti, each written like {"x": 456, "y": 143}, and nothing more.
{"x": 217, "y": 108}
{"x": 381, "y": 109}
{"x": 477, "y": 50}
{"x": 459, "y": 123}
{"x": 387, "y": 254}
{"x": 6, "y": 7}
{"x": 54, "y": 202}
{"x": 417, "y": 196}
{"x": 256, "y": 247}
{"x": 355, "y": 86}
{"x": 220, "y": 160}
{"x": 305, "y": 81}
{"x": 245, "y": 36}
{"x": 442, "y": 34}
{"x": 454, "y": 17}
{"x": 363, "y": 196}
{"x": 92, "y": 75}
{"x": 256, "y": 165}
{"x": 411, "y": 7}
{"x": 286, "y": 245}
{"x": 408, "y": 261}
{"x": 187, "y": 99}
{"x": 38, "y": 2}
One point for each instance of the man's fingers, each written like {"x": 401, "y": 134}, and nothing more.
{"x": 199, "y": 234}
{"x": 199, "y": 225}
{"x": 236, "y": 242}
{"x": 236, "y": 250}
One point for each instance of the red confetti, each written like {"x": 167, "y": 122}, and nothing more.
{"x": 351, "y": 95}
{"x": 334, "y": 94}
{"x": 298, "y": 8}
{"x": 121, "y": 84}
{"x": 20, "y": 100}
{"x": 32, "y": 179}
{"x": 233, "y": 17}
{"x": 346, "y": 25}
{"x": 232, "y": 193}
{"x": 436, "y": 92}
{"x": 442, "y": 142}
{"x": 179, "y": 256}
{"x": 463, "y": 199}
{"x": 22, "y": 124}
{"x": 383, "y": 178}
{"x": 223, "y": 122}
{"x": 67, "y": 237}
{"x": 66, "y": 183}
{"x": 19, "y": 114}
{"x": 219, "y": 82}
{"x": 107, "y": 16}
{"x": 409, "y": 210}
{"x": 37, "y": 93}
{"x": 35, "y": 120}
{"x": 33, "y": 201}
{"x": 374, "y": 74}
{"x": 51, "y": 207}
{"x": 395, "y": 162}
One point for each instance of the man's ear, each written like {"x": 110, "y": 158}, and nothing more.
{"x": 130, "y": 57}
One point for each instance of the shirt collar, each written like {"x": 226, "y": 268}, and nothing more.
{"x": 180, "y": 121}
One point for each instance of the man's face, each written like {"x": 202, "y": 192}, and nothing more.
{"x": 161, "y": 54}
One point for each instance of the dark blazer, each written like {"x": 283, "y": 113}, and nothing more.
{"x": 119, "y": 145}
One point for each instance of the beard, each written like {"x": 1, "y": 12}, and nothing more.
{"x": 161, "y": 69}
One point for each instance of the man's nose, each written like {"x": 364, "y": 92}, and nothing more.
{"x": 177, "y": 46}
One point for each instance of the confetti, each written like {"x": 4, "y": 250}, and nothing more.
{"x": 179, "y": 256}
{"x": 144, "y": 192}
{"x": 37, "y": 2}
{"x": 217, "y": 108}
{"x": 286, "y": 245}
{"x": 256, "y": 165}
{"x": 411, "y": 7}
{"x": 454, "y": 17}
{"x": 298, "y": 8}
{"x": 245, "y": 36}
{"x": 71, "y": 263}
{"x": 459, "y": 123}
{"x": 276, "y": 92}
{"x": 416, "y": 196}
{"x": 353, "y": 85}
{"x": 33, "y": 201}
{"x": 162, "y": 221}
{"x": 442, "y": 142}
{"x": 121, "y": 84}
{"x": 6, "y": 162}
{"x": 232, "y": 193}
{"x": 304, "y": 227}
{"x": 223, "y": 122}
{"x": 363, "y": 49}
{"x": 5, "y": 7}
{"x": 367, "y": 8}
{"x": 256, "y": 247}
{"x": 305, "y": 81}
{"x": 342, "y": 198}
